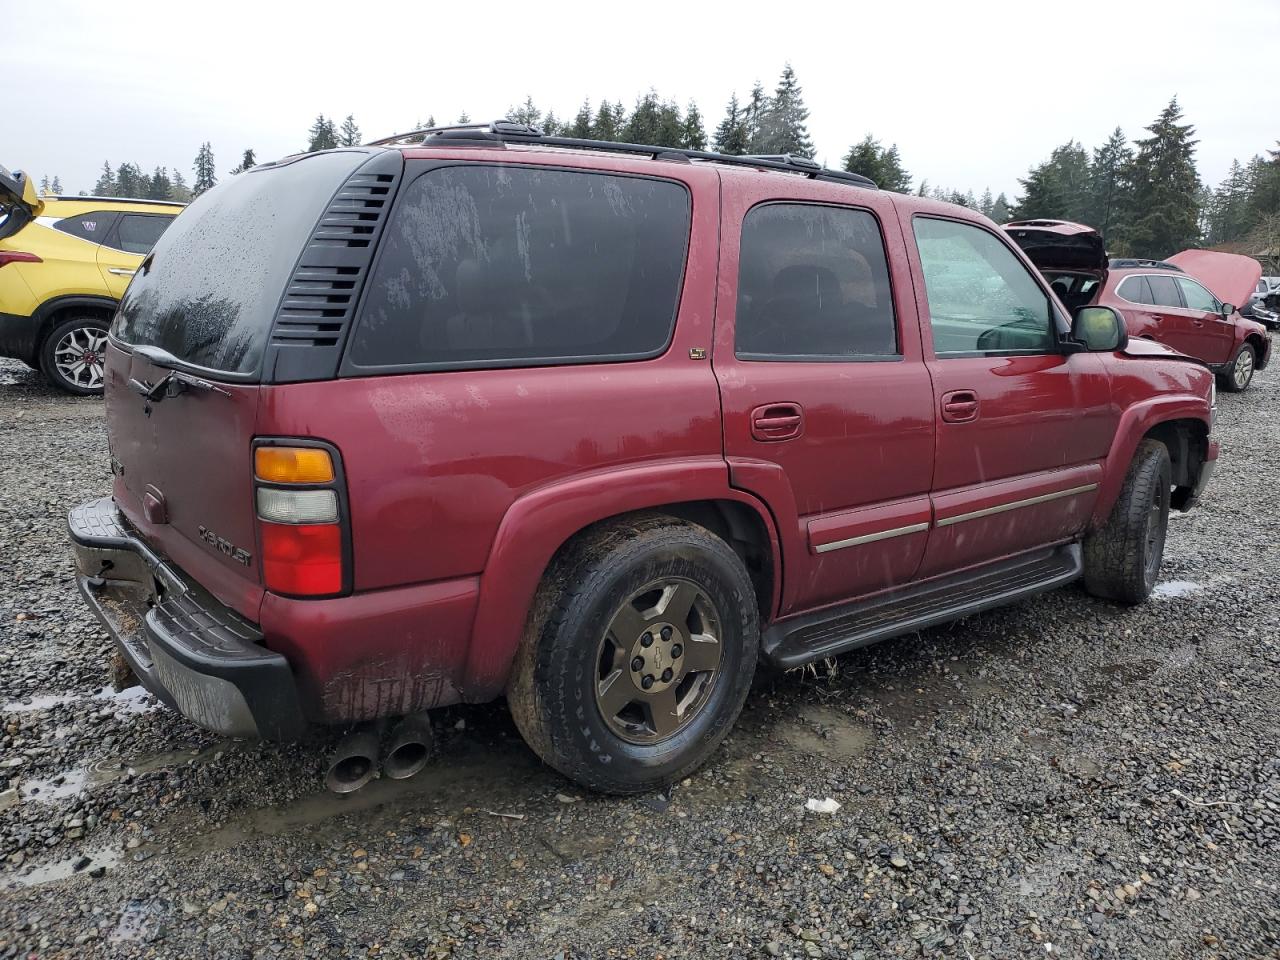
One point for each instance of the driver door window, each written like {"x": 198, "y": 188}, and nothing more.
{"x": 982, "y": 299}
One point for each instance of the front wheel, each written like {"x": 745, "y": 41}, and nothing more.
{"x": 1122, "y": 558}
{"x": 639, "y": 656}
{"x": 1238, "y": 376}
{"x": 73, "y": 356}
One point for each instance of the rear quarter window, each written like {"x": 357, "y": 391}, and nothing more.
{"x": 93, "y": 226}
{"x": 517, "y": 266}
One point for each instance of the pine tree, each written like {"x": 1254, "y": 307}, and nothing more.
{"x": 607, "y": 125}
{"x": 694, "y": 135}
{"x": 753, "y": 116}
{"x": 784, "y": 126}
{"x": 348, "y": 136}
{"x": 44, "y": 184}
{"x": 464, "y": 118}
{"x": 527, "y": 112}
{"x": 883, "y": 166}
{"x": 643, "y": 124}
{"x": 550, "y": 124}
{"x": 204, "y": 170}
{"x": 1264, "y": 189}
{"x": 1057, "y": 189}
{"x": 246, "y": 161}
{"x": 1000, "y": 211}
{"x": 129, "y": 181}
{"x": 1163, "y": 216}
{"x": 986, "y": 204}
{"x": 1107, "y": 187}
{"x": 581, "y": 125}
{"x": 160, "y": 188}
{"x": 56, "y": 186}
{"x": 181, "y": 192}
{"x": 1226, "y": 218}
{"x": 732, "y": 136}
{"x": 106, "y": 185}
{"x": 321, "y": 136}
{"x": 670, "y": 132}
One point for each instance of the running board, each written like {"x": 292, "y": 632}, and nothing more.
{"x": 798, "y": 640}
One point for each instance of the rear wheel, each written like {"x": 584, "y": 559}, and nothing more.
{"x": 1238, "y": 376}
{"x": 642, "y": 658}
{"x": 1122, "y": 558}
{"x": 73, "y": 356}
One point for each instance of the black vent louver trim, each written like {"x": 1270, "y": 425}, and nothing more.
{"x": 319, "y": 303}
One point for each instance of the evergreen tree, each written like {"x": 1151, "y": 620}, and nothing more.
{"x": 644, "y": 123}
{"x": 143, "y": 183}
{"x": 44, "y": 184}
{"x": 1162, "y": 215}
{"x": 348, "y": 136}
{"x": 753, "y": 116}
{"x": 694, "y": 136}
{"x": 986, "y": 204}
{"x": 464, "y": 118}
{"x": 106, "y": 185}
{"x": 550, "y": 124}
{"x": 581, "y": 125}
{"x": 56, "y": 186}
{"x": 670, "y": 131}
{"x": 178, "y": 184}
{"x": 732, "y": 136}
{"x": 527, "y": 112}
{"x": 321, "y": 136}
{"x": 608, "y": 122}
{"x": 1107, "y": 186}
{"x": 1000, "y": 211}
{"x": 204, "y": 170}
{"x": 1264, "y": 190}
{"x": 129, "y": 181}
{"x": 783, "y": 128}
{"x": 1057, "y": 189}
{"x": 160, "y": 187}
{"x": 246, "y": 161}
{"x": 883, "y": 166}
{"x": 1227, "y": 216}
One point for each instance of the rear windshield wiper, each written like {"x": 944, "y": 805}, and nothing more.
{"x": 173, "y": 383}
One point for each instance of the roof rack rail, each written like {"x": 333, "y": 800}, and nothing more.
{"x": 1130, "y": 263}
{"x": 77, "y": 198}
{"x": 502, "y": 132}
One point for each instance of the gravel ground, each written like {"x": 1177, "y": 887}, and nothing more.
{"x": 1061, "y": 778}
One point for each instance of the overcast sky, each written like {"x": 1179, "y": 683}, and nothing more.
{"x": 972, "y": 93}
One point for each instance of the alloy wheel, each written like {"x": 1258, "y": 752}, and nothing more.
{"x": 79, "y": 357}
{"x": 1243, "y": 369}
{"x": 658, "y": 661}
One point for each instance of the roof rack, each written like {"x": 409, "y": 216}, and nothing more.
{"x": 1130, "y": 263}
{"x": 76, "y": 198}
{"x": 502, "y": 132}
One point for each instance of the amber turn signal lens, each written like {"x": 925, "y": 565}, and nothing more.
{"x": 293, "y": 465}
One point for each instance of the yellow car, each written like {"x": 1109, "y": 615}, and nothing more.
{"x": 64, "y": 264}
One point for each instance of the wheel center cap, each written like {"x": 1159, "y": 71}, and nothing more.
{"x": 657, "y": 657}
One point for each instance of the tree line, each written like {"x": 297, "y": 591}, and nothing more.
{"x": 1145, "y": 197}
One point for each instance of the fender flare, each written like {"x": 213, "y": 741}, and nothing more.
{"x": 44, "y": 313}
{"x": 1135, "y": 422}
{"x": 539, "y": 523}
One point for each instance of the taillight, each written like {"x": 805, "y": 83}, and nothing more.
{"x": 17, "y": 256}
{"x": 301, "y": 523}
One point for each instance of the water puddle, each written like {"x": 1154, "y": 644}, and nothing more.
{"x": 44, "y": 701}
{"x": 70, "y": 782}
{"x": 133, "y": 700}
{"x": 61, "y": 869}
{"x": 827, "y": 732}
{"x": 58, "y": 787}
{"x": 1176, "y": 588}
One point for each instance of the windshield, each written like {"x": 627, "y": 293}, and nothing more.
{"x": 208, "y": 292}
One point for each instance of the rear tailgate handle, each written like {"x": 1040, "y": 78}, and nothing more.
{"x": 959, "y": 406}
{"x": 777, "y": 421}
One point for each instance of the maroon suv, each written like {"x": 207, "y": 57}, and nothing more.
{"x": 1189, "y": 302}
{"x": 597, "y": 426}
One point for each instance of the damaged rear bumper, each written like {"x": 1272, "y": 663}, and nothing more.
{"x": 195, "y": 654}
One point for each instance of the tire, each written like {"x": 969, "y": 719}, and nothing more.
{"x": 63, "y": 355}
{"x": 1122, "y": 558}
{"x": 585, "y": 654}
{"x": 1237, "y": 377}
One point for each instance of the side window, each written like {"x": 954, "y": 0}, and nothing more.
{"x": 514, "y": 266}
{"x": 93, "y": 226}
{"x": 813, "y": 282}
{"x": 1197, "y": 297}
{"x": 1135, "y": 290}
{"x": 982, "y": 299}
{"x": 1164, "y": 292}
{"x": 138, "y": 232}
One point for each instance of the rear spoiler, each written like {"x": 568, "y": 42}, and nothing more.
{"x": 19, "y": 204}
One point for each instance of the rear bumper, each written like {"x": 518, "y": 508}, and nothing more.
{"x": 18, "y": 336}
{"x": 195, "y": 654}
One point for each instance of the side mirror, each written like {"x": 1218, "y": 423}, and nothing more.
{"x": 1227, "y": 310}
{"x": 1099, "y": 329}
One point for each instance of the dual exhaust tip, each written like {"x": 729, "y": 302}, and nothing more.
{"x": 355, "y": 760}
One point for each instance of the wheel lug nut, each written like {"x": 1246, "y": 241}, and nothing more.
{"x": 647, "y": 682}
{"x": 676, "y": 650}
{"x": 666, "y": 675}
{"x": 666, "y": 633}
{"x": 637, "y": 664}
{"x": 646, "y": 640}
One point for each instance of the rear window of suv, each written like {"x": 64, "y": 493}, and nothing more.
{"x": 208, "y": 292}
{"x": 518, "y": 266}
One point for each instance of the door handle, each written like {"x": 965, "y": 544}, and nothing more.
{"x": 777, "y": 421}
{"x": 121, "y": 271}
{"x": 959, "y": 406}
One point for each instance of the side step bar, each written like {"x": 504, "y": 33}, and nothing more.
{"x": 798, "y": 640}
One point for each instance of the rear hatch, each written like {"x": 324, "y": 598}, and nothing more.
{"x": 19, "y": 204}
{"x": 1059, "y": 244}
{"x": 185, "y": 366}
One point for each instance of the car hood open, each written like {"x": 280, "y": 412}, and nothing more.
{"x": 1059, "y": 244}
{"x": 1230, "y": 277}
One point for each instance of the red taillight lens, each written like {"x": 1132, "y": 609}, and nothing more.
{"x": 302, "y": 559}
{"x": 17, "y": 256}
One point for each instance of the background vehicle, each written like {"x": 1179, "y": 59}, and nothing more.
{"x": 1187, "y": 301}
{"x": 1264, "y": 303}
{"x": 64, "y": 265}
{"x": 603, "y": 425}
